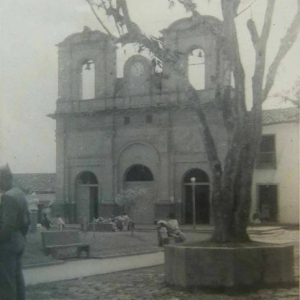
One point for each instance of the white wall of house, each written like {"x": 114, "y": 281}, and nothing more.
{"x": 285, "y": 175}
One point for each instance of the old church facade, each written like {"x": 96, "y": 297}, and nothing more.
{"x": 137, "y": 130}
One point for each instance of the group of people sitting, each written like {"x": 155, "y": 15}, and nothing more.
{"x": 120, "y": 223}
{"x": 169, "y": 228}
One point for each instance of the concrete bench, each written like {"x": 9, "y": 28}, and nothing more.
{"x": 100, "y": 227}
{"x": 64, "y": 244}
{"x": 108, "y": 227}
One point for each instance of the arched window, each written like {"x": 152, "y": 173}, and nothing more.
{"x": 86, "y": 178}
{"x": 199, "y": 175}
{"x": 196, "y": 69}
{"x": 88, "y": 80}
{"x": 139, "y": 173}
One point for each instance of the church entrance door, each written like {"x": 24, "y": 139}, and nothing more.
{"x": 87, "y": 197}
{"x": 140, "y": 180}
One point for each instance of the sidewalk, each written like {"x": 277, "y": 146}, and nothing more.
{"x": 90, "y": 267}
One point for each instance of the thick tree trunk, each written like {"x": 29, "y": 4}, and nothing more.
{"x": 231, "y": 209}
{"x": 243, "y": 184}
{"x": 232, "y": 202}
{"x": 222, "y": 218}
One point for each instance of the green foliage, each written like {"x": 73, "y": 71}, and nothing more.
{"x": 129, "y": 197}
{"x": 292, "y": 95}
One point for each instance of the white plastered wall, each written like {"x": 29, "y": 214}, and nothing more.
{"x": 286, "y": 174}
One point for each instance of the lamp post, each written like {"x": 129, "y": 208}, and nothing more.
{"x": 193, "y": 179}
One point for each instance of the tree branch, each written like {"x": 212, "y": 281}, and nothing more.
{"x": 249, "y": 6}
{"x": 260, "y": 60}
{"x": 209, "y": 143}
{"x": 189, "y": 5}
{"x": 253, "y": 32}
{"x": 286, "y": 44}
{"x": 268, "y": 21}
{"x": 294, "y": 101}
{"x": 99, "y": 20}
{"x": 229, "y": 10}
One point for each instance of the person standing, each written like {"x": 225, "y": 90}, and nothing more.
{"x": 60, "y": 223}
{"x": 125, "y": 221}
{"x": 46, "y": 222}
{"x": 14, "y": 225}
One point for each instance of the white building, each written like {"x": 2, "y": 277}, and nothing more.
{"x": 275, "y": 190}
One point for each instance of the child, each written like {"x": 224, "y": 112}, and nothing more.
{"x": 162, "y": 232}
{"x": 60, "y": 223}
{"x": 125, "y": 221}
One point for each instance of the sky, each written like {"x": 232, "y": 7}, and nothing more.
{"x": 29, "y": 31}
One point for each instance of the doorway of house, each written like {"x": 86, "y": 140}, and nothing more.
{"x": 267, "y": 202}
{"x": 202, "y": 196}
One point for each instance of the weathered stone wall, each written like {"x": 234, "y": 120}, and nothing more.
{"x": 229, "y": 267}
{"x": 168, "y": 153}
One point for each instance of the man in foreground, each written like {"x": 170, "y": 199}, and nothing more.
{"x": 14, "y": 225}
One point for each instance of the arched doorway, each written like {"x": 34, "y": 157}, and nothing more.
{"x": 201, "y": 197}
{"x": 140, "y": 180}
{"x": 87, "y": 196}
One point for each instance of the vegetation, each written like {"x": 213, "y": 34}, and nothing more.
{"x": 292, "y": 95}
{"x": 128, "y": 198}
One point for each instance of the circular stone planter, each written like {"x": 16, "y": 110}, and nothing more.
{"x": 250, "y": 264}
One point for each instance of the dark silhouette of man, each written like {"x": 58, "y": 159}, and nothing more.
{"x": 14, "y": 225}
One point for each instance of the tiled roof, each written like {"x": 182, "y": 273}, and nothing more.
{"x": 283, "y": 115}
{"x": 35, "y": 182}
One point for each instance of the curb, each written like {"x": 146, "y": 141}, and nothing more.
{"x": 49, "y": 264}
{"x": 126, "y": 254}
{"x": 61, "y": 262}
{"x": 251, "y": 229}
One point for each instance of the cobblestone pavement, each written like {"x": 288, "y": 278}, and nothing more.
{"x": 148, "y": 284}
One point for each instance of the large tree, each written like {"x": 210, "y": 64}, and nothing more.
{"x": 232, "y": 179}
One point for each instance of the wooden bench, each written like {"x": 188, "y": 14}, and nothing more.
{"x": 64, "y": 244}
